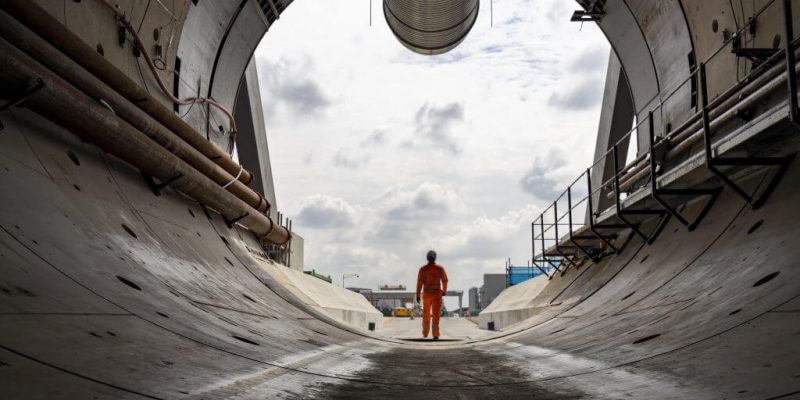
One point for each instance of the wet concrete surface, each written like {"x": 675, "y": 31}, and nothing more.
{"x": 465, "y": 373}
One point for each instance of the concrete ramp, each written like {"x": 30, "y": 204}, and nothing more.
{"x": 338, "y": 303}
{"x": 514, "y": 304}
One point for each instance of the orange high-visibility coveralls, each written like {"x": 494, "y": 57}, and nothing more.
{"x": 428, "y": 281}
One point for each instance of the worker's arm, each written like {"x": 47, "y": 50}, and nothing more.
{"x": 419, "y": 283}
{"x": 444, "y": 281}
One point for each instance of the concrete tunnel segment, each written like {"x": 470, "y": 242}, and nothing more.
{"x": 110, "y": 291}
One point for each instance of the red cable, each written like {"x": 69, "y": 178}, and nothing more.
{"x": 121, "y": 18}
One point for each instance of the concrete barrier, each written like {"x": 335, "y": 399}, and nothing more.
{"x": 514, "y": 304}
{"x": 340, "y": 304}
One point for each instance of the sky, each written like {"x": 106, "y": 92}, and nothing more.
{"x": 380, "y": 154}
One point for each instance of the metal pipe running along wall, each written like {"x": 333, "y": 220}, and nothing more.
{"x": 66, "y": 106}
{"x": 430, "y": 27}
{"x": 66, "y": 68}
{"x": 35, "y": 18}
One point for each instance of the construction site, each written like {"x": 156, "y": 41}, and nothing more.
{"x": 143, "y": 255}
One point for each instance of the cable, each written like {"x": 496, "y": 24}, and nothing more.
{"x": 125, "y": 23}
{"x": 236, "y": 178}
{"x": 141, "y": 75}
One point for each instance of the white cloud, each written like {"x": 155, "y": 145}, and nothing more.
{"x": 402, "y": 152}
{"x": 487, "y": 238}
{"x": 347, "y": 160}
{"x": 428, "y": 200}
{"x": 585, "y": 94}
{"x": 378, "y": 137}
{"x": 542, "y": 180}
{"x": 287, "y": 84}
{"x": 321, "y": 211}
{"x": 435, "y": 124}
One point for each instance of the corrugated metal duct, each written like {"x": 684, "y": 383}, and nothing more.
{"x": 431, "y": 26}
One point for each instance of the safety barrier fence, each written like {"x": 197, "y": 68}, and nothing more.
{"x": 586, "y": 220}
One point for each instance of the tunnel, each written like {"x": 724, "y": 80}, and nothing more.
{"x": 138, "y": 259}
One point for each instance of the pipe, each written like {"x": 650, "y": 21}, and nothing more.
{"x": 430, "y": 27}
{"x": 51, "y": 30}
{"x": 67, "y": 69}
{"x": 64, "y": 105}
{"x": 724, "y": 114}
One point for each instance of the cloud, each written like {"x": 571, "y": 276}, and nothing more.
{"x": 487, "y": 238}
{"x": 321, "y": 211}
{"x": 286, "y": 84}
{"x": 435, "y": 124}
{"x": 413, "y": 214}
{"x": 377, "y": 137}
{"x": 539, "y": 180}
{"x": 344, "y": 160}
{"x": 304, "y": 97}
{"x": 583, "y": 96}
{"x": 425, "y": 201}
{"x": 559, "y": 12}
{"x": 592, "y": 59}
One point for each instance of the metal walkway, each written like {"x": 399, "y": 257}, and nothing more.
{"x": 750, "y": 129}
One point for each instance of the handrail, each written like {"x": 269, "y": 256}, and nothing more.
{"x": 763, "y": 72}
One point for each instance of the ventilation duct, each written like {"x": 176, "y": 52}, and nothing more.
{"x": 430, "y": 26}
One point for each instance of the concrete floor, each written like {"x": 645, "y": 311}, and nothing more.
{"x": 110, "y": 291}
{"x": 451, "y": 329}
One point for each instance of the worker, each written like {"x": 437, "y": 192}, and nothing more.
{"x": 432, "y": 282}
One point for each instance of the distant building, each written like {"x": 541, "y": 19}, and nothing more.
{"x": 473, "y": 299}
{"x": 493, "y": 284}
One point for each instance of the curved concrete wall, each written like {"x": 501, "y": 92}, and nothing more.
{"x": 111, "y": 290}
{"x": 108, "y": 290}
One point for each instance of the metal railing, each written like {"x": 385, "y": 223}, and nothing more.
{"x": 589, "y": 239}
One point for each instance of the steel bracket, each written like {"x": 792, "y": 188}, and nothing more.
{"x": 156, "y": 188}
{"x": 712, "y": 162}
{"x": 535, "y": 263}
{"x": 37, "y": 85}
{"x": 586, "y": 16}
{"x": 231, "y": 222}
{"x": 657, "y": 193}
{"x": 593, "y": 11}
{"x": 664, "y": 216}
{"x": 756, "y": 55}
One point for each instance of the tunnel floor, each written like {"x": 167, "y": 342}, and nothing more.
{"x": 452, "y": 329}
{"x": 109, "y": 291}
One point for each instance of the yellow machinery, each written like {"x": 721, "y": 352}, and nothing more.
{"x": 403, "y": 312}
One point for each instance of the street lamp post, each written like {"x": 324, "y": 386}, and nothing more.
{"x": 348, "y": 276}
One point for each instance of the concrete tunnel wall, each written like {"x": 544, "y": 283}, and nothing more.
{"x": 110, "y": 291}
{"x": 113, "y": 291}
